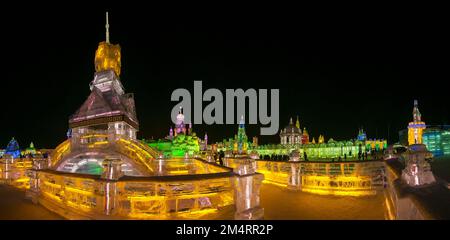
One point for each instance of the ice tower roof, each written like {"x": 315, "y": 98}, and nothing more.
{"x": 100, "y": 106}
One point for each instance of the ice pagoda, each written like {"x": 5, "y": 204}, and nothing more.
{"x": 105, "y": 125}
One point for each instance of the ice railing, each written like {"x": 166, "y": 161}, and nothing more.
{"x": 206, "y": 196}
{"x": 14, "y": 171}
{"x": 147, "y": 159}
{"x": 130, "y": 148}
{"x": 354, "y": 178}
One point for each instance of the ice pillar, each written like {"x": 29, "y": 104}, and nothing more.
{"x": 246, "y": 197}
{"x": 112, "y": 171}
{"x": 295, "y": 177}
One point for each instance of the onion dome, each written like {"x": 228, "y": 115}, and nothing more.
{"x": 291, "y": 128}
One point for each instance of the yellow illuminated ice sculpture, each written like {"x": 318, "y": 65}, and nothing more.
{"x": 416, "y": 127}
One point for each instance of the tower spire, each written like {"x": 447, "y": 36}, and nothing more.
{"x": 107, "y": 56}
{"x": 242, "y": 122}
{"x": 416, "y": 113}
{"x": 107, "y": 28}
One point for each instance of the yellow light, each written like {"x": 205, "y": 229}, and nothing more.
{"x": 79, "y": 206}
{"x": 107, "y": 57}
{"x": 51, "y": 196}
{"x": 339, "y": 192}
{"x": 52, "y": 184}
{"x": 25, "y": 179}
{"x": 138, "y": 150}
{"x": 274, "y": 183}
{"x": 81, "y": 191}
{"x": 415, "y": 128}
{"x": 94, "y": 136}
{"x": 189, "y": 214}
{"x": 145, "y": 198}
{"x": 201, "y": 212}
{"x": 59, "y": 151}
{"x": 391, "y": 215}
{"x": 179, "y": 172}
{"x": 347, "y": 185}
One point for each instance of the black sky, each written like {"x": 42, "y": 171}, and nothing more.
{"x": 336, "y": 73}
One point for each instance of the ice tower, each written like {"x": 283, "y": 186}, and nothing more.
{"x": 106, "y": 124}
{"x": 416, "y": 127}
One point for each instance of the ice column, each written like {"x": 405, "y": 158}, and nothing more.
{"x": 246, "y": 194}
{"x": 112, "y": 171}
{"x": 295, "y": 177}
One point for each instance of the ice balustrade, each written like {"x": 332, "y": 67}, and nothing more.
{"x": 130, "y": 148}
{"x": 216, "y": 191}
{"x": 408, "y": 177}
{"x": 179, "y": 166}
{"x": 77, "y": 196}
{"x": 14, "y": 172}
{"x": 60, "y": 151}
{"x": 344, "y": 179}
{"x": 136, "y": 150}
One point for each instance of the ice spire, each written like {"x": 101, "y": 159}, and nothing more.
{"x": 107, "y": 28}
{"x": 416, "y": 113}
{"x": 241, "y": 122}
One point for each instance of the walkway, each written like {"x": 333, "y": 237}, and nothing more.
{"x": 14, "y": 206}
{"x": 283, "y": 204}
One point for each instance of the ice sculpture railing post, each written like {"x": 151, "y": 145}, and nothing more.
{"x": 295, "y": 175}
{"x": 246, "y": 197}
{"x": 406, "y": 183}
{"x": 295, "y": 182}
{"x": 38, "y": 164}
{"x": 112, "y": 171}
{"x": 417, "y": 171}
{"x": 246, "y": 188}
{"x": 13, "y": 171}
{"x": 6, "y": 165}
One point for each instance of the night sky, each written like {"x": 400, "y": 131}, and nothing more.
{"x": 337, "y": 74}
